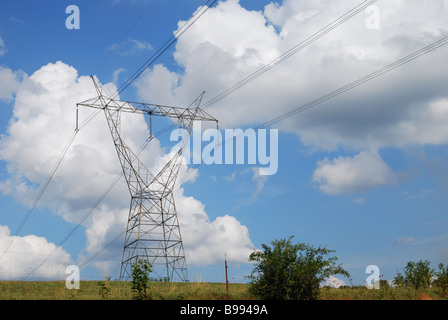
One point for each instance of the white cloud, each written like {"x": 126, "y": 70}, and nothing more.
{"x": 260, "y": 180}
{"x": 333, "y": 282}
{"x": 352, "y": 174}
{"x": 291, "y": 10}
{"x": 116, "y": 74}
{"x": 232, "y": 177}
{"x": 405, "y": 240}
{"x": 207, "y": 241}
{"x": 129, "y": 46}
{"x": 44, "y": 119}
{"x": 28, "y": 252}
{"x": 406, "y": 107}
{"x": 359, "y": 200}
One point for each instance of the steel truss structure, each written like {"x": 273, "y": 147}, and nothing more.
{"x": 152, "y": 231}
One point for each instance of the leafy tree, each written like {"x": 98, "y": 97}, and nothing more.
{"x": 442, "y": 279}
{"x": 289, "y": 271}
{"x": 416, "y": 274}
{"x": 140, "y": 279}
{"x": 399, "y": 280}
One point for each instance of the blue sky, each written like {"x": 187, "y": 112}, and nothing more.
{"x": 364, "y": 173}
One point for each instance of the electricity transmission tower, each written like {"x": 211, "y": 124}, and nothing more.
{"x": 152, "y": 231}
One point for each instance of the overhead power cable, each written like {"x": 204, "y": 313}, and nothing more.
{"x": 193, "y": 19}
{"x": 41, "y": 192}
{"x": 93, "y": 207}
{"x": 434, "y": 46}
{"x": 302, "y": 45}
{"x": 187, "y": 25}
{"x": 142, "y": 13}
{"x": 354, "y": 84}
{"x": 286, "y": 55}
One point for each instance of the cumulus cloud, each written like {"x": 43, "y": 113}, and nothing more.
{"x": 333, "y": 282}
{"x": 405, "y": 107}
{"x": 29, "y": 252}
{"x": 291, "y": 10}
{"x": 352, "y": 174}
{"x": 207, "y": 241}
{"x": 44, "y": 120}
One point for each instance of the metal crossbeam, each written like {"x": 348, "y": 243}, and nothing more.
{"x": 148, "y": 109}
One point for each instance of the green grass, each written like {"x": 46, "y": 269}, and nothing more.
{"x": 120, "y": 290}
{"x": 362, "y": 293}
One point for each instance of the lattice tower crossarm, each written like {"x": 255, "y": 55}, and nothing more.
{"x": 152, "y": 231}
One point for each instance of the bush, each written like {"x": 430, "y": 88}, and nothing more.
{"x": 416, "y": 274}
{"x": 288, "y": 272}
{"x": 140, "y": 279}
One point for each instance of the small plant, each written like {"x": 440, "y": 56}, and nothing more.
{"x": 140, "y": 280}
{"x": 104, "y": 289}
{"x": 384, "y": 288}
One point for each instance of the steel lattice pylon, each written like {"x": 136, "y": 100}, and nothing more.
{"x": 152, "y": 231}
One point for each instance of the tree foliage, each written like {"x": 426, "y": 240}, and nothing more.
{"x": 416, "y": 274}
{"x": 288, "y": 271}
{"x": 442, "y": 279}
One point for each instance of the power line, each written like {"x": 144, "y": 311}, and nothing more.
{"x": 198, "y": 14}
{"x": 187, "y": 25}
{"x": 434, "y": 46}
{"x": 371, "y": 76}
{"x": 126, "y": 33}
{"x": 302, "y": 45}
{"x": 92, "y": 208}
{"x": 41, "y": 192}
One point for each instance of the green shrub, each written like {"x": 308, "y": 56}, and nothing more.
{"x": 140, "y": 279}
{"x": 288, "y": 272}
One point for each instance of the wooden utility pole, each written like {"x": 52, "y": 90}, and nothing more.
{"x": 227, "y": 279}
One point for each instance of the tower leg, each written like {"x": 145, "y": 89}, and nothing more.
{"x": 153, "y": 234}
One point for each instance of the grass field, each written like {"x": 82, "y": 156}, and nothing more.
{"x": 120, "y": 290}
